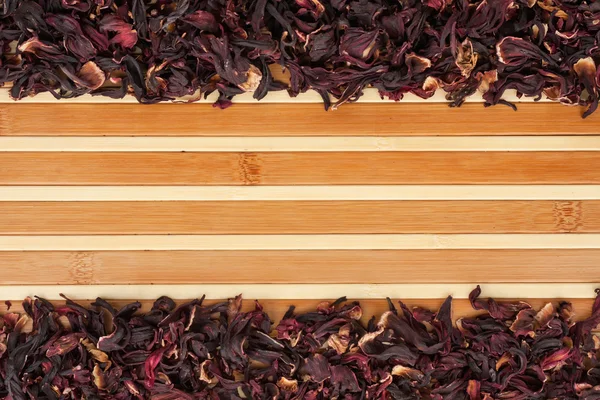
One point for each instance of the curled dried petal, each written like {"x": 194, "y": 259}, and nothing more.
{"x": 466, "y": 58}
{"x": 585, "y": 68}
{"x": 288, "y": 385}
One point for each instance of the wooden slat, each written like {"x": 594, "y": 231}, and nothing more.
{"x": 300, "y": 266}
{"x": 315, "y": 291}
{"x": 433, "y": 241}
{"x": 296, "y": 143}
{"x": 299, "y": 192}
{"x": 287, "y": 168}
{"x": 270, "y": 217}
{"x": 277, "y": 308}
{"x": 292, "y": 119}
{"x": 369, "y": 95}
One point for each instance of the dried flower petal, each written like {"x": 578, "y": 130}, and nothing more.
{"x": 466, "y": 58}
{"x": 585, "y": 68}
{"x": 220, "y": 351}
{"x": 171, "y": 50}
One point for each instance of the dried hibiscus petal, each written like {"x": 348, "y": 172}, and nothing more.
{"x": 176, "y": 49}
{"x": 219, "y": 351}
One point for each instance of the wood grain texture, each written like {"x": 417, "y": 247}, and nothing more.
{"x": 291, "y": 119}
{"x": 369, "y": 95}
{"x": 277, "y": 308}
{"x": 306, "y": 291}
{"x": 406, "y": 241}
{"x": 289, "y": 168}
{"x": 299, "y": 266}
{"x": 299, "y": 192}
{"x": 296, "y": 143}
{"x": 302, "y": 217}
{"x": 430, "y": 241}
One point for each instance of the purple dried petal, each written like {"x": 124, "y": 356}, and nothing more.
{"x": 517, "y": 52}
{"x": 344, "y": 379}
{"x": 150, "y": 365}
{"x": 321, "y": 44}
{"x": 556, "y": 360}
{"x": 202, "y": 20}
{"x": 124, "y": 35}
{"x": 215, "y": 352}
{"x": 359, "y": 44}
{"x": 315, "y": 368}
{"x": 64, "y": 344}
{"x": 40, "y": 49}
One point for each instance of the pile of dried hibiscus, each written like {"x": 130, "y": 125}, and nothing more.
{"x": 195, "y": 351}
{"x": 166, "y": 49}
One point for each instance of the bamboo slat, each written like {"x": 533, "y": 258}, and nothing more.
{"x": 299, "y": 192}
{"x": 299, "y": 266}
{"x": 181, "y": 217}
{"x": 301, "y": 217}
{"x": 291, "y": 119}
{"x": 315, "y": 291}
{"x": 431, "y": 241}
{"x": 296, "y": 143}
{"x": 289, "y": 168}
{"x": 369, "y": 95}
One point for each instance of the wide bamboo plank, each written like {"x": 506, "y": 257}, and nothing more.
{"x": 370, "y": 307}
{"x": 291, "y": 119}
{"x": 276, "y": 217}
{"x": 287, "y": 168}
{"x": 300, "y": 266}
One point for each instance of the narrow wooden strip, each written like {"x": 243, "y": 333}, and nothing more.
{"x": 276, "y": 309}
{"x": 402, "y": 119}
{"x": 299, "y": 217}
{"x": 298, "y": 242}
{"x": 296, "y": 144}
{"x": 339, "y": 192}
{"x": 306, "y": 291}
{"x": 299, "y": 266}
{"x": 308, "y": 168}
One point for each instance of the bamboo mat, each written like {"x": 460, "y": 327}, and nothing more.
{"x": 289, "y": 204}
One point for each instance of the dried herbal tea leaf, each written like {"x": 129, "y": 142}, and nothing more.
{"x": 178, "y": 49}
{"x": 218, "y": 352}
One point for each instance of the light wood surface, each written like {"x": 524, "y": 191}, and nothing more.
{"x": 370, "y": 95}
{"x": 300, "y": 217}
{"x": 291, "y": 119}
{"x": 298, "y": 192}
{"x": 299, "y": 266}
{"x": 331, "y": 168}
{"x": 404, "y": 241}
{"x": 286, "y": 200}
{"x": 357, "y": 144}
{"x": 306, "y": 291}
